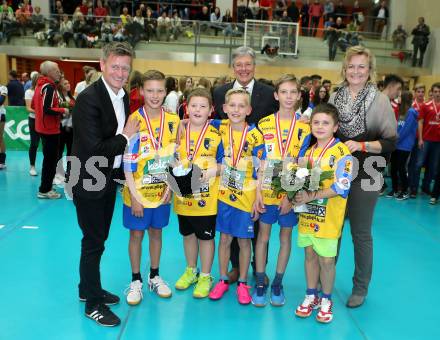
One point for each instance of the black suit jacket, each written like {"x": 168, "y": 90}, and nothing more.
{"x": 262, "y": 101}
{"x": 94, "y": 134}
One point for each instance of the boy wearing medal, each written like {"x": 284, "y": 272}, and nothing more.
{"x": 200, "y": 144}
{"x": 146, "y": 195}
{"x": 320, "y": 227}
{"x": 286, "y": 138}
{"x": 239, "y": 195}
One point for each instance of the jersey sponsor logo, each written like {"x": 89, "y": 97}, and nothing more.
{"x": 347, "y": 167}
{"x": 202, "y": 203}
{"x": 232, "y": 197}
{"x": 269, "y": 136}
{"x": 144, "y": 138}
{"x": 300, "y": 131}
{"x": 315, "y": 227}
{"x": 207, "y": 143}
{"x": 343, "y": 183}
{"x": 171, "y": 126}
{"x": 331, "y": 161}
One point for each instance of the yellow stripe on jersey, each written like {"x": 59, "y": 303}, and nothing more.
{"x": 204, "y": 203}
{"x": 299, "y": 144}
{"x": 238, "y": 184}
{"x": 325, "y": 217}
{"x": 145, "y": 164}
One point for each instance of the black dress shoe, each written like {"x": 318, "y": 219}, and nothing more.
{"x": 103, "y": 315}
{"x": 109, "y": 298}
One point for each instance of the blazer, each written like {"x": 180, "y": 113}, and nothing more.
{"x": 94, "y": 134}
{"x": 262, "y": 101}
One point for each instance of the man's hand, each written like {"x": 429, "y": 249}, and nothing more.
{"x": 131, "y": 127}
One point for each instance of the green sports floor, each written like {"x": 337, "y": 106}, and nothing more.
{"x": 39, "y": 253}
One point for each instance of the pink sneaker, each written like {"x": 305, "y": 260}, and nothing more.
{"x": 243, "y": 295}
{"x": 220, "y": 288}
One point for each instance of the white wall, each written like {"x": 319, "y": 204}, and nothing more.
{"x": 224, "y": 4}
{"x": 43, "y": 4}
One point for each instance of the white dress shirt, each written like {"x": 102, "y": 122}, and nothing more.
{"x": 249, "y": 87}
{"x": 118, "y": 106}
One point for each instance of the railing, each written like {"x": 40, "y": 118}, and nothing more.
{"x": 188, "y": 35}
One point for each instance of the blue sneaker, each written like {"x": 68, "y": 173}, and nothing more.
{"x": 259, "y": 298}
{"x": 277, "y": 297}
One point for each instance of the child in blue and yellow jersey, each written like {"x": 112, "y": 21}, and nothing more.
{"x": 146, "y": 195}
{"x": 239, "y": 197}
{"x": 319, "y": 228}
{"x": 286, "y": 138}
{"x": 201, "y": 145}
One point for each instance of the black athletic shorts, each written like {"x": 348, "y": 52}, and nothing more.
{"x": 202, "y": 226}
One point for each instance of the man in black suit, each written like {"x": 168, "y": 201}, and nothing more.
{"x": 99, "y": 140}
{"x": 263, "y": 104}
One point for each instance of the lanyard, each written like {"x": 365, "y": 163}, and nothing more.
{"x": 242, "y": 142}
{"x": 283, "y": 150}
{"x": 158, "y": 142}
{"x": 192, "y": 156}
{"x": 326, "y": 147}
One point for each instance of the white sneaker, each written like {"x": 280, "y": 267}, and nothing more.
{"x": 2, "y": 166}
{"x": 134, "y": 293}
{"x": 59, "y": 180}
{"x": 159, "y": 286}
{"x": 32, "y": 171}
{"x": 49, "y": 195}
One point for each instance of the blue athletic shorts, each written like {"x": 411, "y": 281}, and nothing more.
{"x": 156, "y": 218}
{"x": 234, "y": 222}
{"x": 272, "y": 215}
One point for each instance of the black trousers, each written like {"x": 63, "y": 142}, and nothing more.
{"x": 66, "y": 140}
{"x": 35, "y": 140}
{"x": 50, "y": 159}
{"x": 94, "y": 218}
{"x": 422, "y": 49}
{"x": 399, "y": 175}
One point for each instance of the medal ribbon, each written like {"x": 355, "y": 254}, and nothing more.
{"x": 283, "y": 150}
{"x": 326, "y": 147}
{"x": 231, "y": 143}
{"x": 192, "y": 156}
{"x": 156, "y": 143}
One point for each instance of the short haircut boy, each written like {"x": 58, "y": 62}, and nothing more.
{"x": 200, "y": 92}
{"x": 328, "y": 109}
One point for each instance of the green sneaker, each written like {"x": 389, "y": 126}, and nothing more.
{"x": 203, "y": 287}
{"x": 187, "y": 279}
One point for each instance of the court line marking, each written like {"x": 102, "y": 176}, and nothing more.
{"x": 30, "y": 227}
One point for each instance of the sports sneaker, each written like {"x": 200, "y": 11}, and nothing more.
{"x": 243, "y": 296}
{"x": 325, "y": 314}
{"x": 202, "y": 287}
{"x": 108, "y": 298}
{"x": 52, "y": 195}
{"x": 310, "y": 303}
{"x": 59, "y": 180}
{"x": 219, "y": 289}
{"x": 433, "y": 201}
{"x": 103, "y": 315}
{"x": 259, "y": 298}
{"x": 402, "y": 196}
{"x": 277, "y": 297}
{"x": 413, "y": 194}
{"x": 159, "y": 286}
{"x": 187, "y": 279}
{"x": 32, "y": 171}
{"x": 2, "y": 166}
{"x": 391, "y": 194}
{"x": 134, "y": 293}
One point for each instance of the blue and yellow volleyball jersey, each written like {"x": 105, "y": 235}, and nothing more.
{"x": 208, "y": 156}
{"x": 238, "y": 183}
{"x": 148, "y": 166}
{"x": 298, "y": 146}
{"x": 325, "y": 217}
